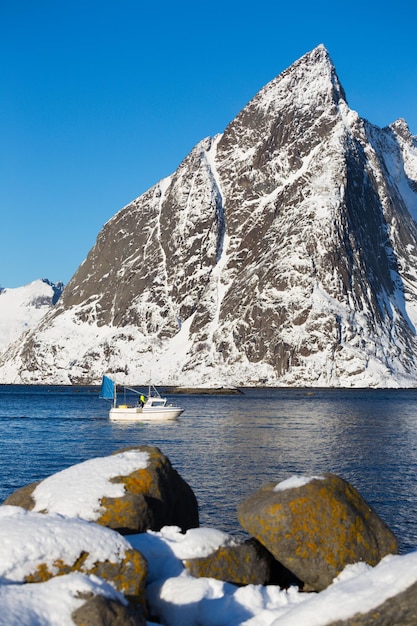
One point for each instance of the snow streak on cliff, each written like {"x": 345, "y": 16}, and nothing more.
{"x": 281, "y": 252}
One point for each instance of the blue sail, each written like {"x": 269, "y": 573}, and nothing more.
{"x": 107, "y": 388}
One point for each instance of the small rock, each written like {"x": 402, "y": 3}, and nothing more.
{"x": 22, "y": 497}
{"x": 248, "y": 563}
{"x": 101, "y": 611}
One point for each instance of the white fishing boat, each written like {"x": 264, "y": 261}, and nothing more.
{"x": 150, "y": 408}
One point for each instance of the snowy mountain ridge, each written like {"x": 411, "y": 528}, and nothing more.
{"x": 23, "y": 307}
{"x": 281, "y": 252}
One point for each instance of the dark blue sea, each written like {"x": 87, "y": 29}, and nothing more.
{"x": 226, "y": 447}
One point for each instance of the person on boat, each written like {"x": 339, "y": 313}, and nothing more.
{"x": 142, "y": 399}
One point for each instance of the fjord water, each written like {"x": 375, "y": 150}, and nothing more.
{"x": 226, "y": 446}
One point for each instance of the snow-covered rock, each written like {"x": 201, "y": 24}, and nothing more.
{"x": 281, "y": 252}
{"x": 39, "y": 547}
{"x": 129, "y": 491}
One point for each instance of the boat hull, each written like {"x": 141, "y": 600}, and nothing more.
{"x": 145, "y": 414}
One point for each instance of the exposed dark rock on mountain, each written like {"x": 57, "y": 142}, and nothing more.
{"x": 282, "y": 252}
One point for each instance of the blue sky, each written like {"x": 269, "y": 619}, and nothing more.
{"x": 100, "y": 100}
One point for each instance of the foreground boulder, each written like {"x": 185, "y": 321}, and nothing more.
{"x": 131, "y": 491}
{"x": 38, "y": 547}
{"x": 316, "y": 526}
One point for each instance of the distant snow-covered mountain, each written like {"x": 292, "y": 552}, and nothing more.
{"x": 281, "y": 252}
{"x": 23, "y": 307}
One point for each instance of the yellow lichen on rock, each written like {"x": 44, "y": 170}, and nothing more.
{"x": 317, "y": 527}
{"x": 127, "y": 575}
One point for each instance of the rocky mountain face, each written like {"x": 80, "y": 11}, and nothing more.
{"x": 281, "y": 252}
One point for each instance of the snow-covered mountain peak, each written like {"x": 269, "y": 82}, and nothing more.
{"x": 281, "y": 252}
{"x": 310, "y": 81}
{"x": 401, "y": 128}
{"x": 291, "y": 115}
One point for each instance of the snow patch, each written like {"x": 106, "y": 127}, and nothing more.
{"x": 294, "y": 482}
{"x": 77, "y": 490}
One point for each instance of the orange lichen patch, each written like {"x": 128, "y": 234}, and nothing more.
{"x": 128, "y": 576}
{"x": 41, "y": 574}
{"x": 228, "y": 557}
{"x": 146, "y": 480}
{"x": 216, "y": 565}
{"x": 116, "y": 514}
{"x": 275, "y": 509}
{"x": 58, "y": 568}
{"x": 328, "y": 529}
{"x": 141, "y": 481}
{"x": 269, "y": 522}
{"x": 307, "y": 528}
{"x": 79, "y": 563}
{"x": 241, "y": 565}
